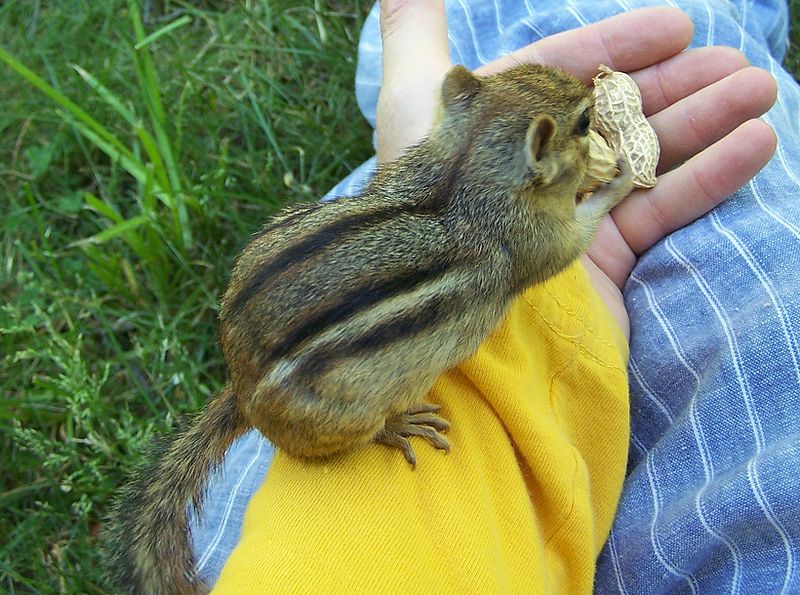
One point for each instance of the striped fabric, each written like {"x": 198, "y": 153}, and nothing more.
{"x": 712, "y": 499}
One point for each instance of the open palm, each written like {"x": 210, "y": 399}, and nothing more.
{"x": 702, "y": 104}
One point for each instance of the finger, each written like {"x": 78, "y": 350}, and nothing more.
{"x": 678, "y": 77}
{"x": 700, "y": 184}
{"x": 706, "y": 116}
{"x": 626, "y": 42}
{"x": 415, "y": 59}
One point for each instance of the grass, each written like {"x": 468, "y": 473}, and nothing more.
{"x": 792, "y": 60}
{"x": 140, "y": 145}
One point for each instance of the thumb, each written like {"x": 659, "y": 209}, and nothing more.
{"x": 414, "y": 34}
{"x": 416, "y": 57}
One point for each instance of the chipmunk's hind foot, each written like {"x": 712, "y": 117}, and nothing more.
{"x": 420, "y": 420}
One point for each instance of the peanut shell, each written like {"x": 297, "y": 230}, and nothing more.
{"x": 602, "y": 165}
{"x": 619, "y": 119}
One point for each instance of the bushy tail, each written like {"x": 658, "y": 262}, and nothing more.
{"x": 150, "y": 550}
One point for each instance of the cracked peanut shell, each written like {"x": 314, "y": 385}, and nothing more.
{"x": 619, "y": 119}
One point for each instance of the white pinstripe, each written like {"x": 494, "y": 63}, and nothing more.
{"x": 777, "y": 304}
{"x": 635, "y": 441}
{"x": 468, "y": 20}
{"x": 458, "y": 57}
{"x": 736, "y": 554}
{"x": 366, "y": 46}
{"x": 653, "y": 483}
{"x": 761, "y": 498}
{"x": 782, "y": 158}
{"x": 742, "y": 381}
{"x": 708, "y": 469}
{"x": 500, "y": 28}
{"x": 212, "y": 546}
{"x": 612, "y": 548}
{"x": 666, "y": 326}
{"x": 578, "y": 16}
{"x": 730, "y": 337}
{"x": 362, "y": 82}
{"x": 625, "y": 6}
{"x": 791, "y": 227}
{"x": 531, "y": 11}
{"x": 784, "y": 31}
{"x": 694, "y": 419}
{"x": 637, "y": 375}
{"x": 786, "y": 107}
{"x": 536, "y": 31}
{"x": 711, "y": 24}
{"x": 743, "y": 13}
{"x": 779, "y": 154}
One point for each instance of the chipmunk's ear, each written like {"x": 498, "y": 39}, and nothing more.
{"x": 459, "y": 87}
{"x": 538, "y": 142}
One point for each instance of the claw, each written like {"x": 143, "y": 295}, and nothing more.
{"x": 420, "y": 420}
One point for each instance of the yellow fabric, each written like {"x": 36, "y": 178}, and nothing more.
{"x": 523, "y": 502}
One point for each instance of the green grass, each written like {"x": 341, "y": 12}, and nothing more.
{"x": 140, "y": 145}
{"x": 792, "y": 61}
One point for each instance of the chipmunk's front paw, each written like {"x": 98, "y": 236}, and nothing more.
{"x": 611, "y": 193}
{"x": 421, "y": 420}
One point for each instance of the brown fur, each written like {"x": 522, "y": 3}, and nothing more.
{"x": 149, "y": 540}
{"x": 340, "y": 316}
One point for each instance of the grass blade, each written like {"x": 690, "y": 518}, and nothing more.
{"x": 114, "y": 231}
{"x": 126, "y": 159}
{"x": 149, "y": 85}
{"x": 179, "y": 218}
{"x": 148, "y": 79}
{"x": 106, "y": 95}
{"x": 185, "y": 19}
{"x": 101, "y": 207}
{"x": 152, "y": 150}
{"x": 98, "y": 129}
{"x": 264, "y": 123}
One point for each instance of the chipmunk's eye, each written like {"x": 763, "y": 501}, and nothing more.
{"x": 582, "y": 126}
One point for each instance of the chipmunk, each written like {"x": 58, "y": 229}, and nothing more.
{"x": 340, "y": 316}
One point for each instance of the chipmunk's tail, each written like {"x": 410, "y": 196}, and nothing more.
{"x": 150, "y": 548}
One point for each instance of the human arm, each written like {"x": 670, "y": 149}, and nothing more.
{"x": 702, "y": 103}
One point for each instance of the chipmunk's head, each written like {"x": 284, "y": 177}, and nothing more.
{"x": 527, "y": 129}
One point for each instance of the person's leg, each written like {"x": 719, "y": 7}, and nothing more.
{"x": 710, "y": 503}
{"x": 715, "y": 381}
{"x": 217, "y": 530}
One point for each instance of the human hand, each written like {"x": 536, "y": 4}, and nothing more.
{"x": 701, "y": 103}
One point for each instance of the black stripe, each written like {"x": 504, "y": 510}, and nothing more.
{"x": 297, "y": 213}
{"x": 349, "y": 305}
{"x": 321, "y": 239}
{"x": 408, "y": 324}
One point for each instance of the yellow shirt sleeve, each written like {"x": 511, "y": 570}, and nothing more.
{"x": 521, "y": 504}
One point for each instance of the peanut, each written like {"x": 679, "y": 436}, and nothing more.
{"x": 602, "y": 165}
{"x": 619, "y": 119}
